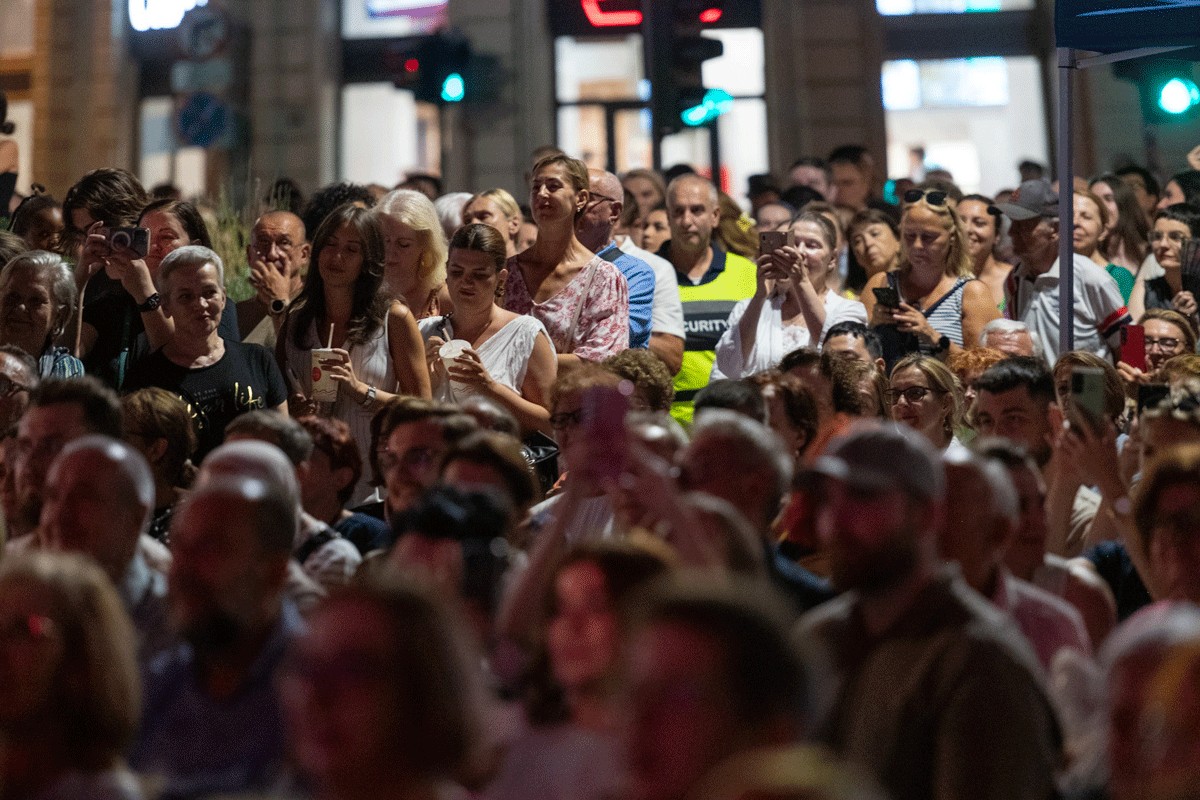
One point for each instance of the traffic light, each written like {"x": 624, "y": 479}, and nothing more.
{"x": 435, "y": 68}
{"x": 1166, "y": 89}
{"x": 623, "y": 17}
{"x": 675, "y": 55}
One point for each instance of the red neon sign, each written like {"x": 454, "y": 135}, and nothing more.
{"x": 599, "y": 18}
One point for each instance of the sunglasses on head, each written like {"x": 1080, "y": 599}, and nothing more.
{"x": 934, "y": 197}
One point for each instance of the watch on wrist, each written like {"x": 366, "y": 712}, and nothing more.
{"x": 152, "y": 303}
{"x": 277, "y": 307}
{"x": 942, "y": 345}
{"x": 369, "y": 398}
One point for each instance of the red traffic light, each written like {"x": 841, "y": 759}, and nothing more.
{"x": 412, "y": 65}
{"x": 607, "y": 18}
{"x": 710, "y": 15}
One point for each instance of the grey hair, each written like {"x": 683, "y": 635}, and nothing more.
{"x": 1003, "y": 325}
{"x": 194, "y": 256}
{"x": 51, "y": 268}
{"x": 756, "y": 448}
{"x": 127, "y": 463}
{"x": 449, "y": 209}
{"x": 713, "y": 195}
{"x": 1002, "y": 492}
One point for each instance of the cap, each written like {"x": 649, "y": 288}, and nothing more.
{"x": 880, "y": 458}
{"x": 1031, "y": 199}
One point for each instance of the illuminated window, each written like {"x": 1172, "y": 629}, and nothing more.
{"x": 907, "y": 7}
{"x": 949, "y": 83}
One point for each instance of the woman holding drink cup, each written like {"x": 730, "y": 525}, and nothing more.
{"x": 372, "y": 349}
{"x": 481, "y": 349}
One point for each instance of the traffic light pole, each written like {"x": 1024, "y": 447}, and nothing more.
{"x": 656, "y": 29}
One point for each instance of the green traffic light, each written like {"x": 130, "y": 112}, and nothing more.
{"x": 716, "y": 102}
{"x": 454, "y": 88}
{"x": 1178, "y": 95}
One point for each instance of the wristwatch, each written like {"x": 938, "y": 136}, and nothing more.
{"x": 943, "y": 344}
{"x": 369, "y": 398}
{"x": 277, "y": 307}
{"x": 152, "y": 302}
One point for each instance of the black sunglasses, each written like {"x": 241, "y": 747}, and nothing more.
{"x": 934, "y": 197}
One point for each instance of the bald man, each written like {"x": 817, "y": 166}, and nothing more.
{"x": 97, "y": 500}
{"x": 594, "y": 228}
{"x": 278, "y": 255}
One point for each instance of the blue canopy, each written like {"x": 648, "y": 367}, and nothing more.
{"x": 1111, "y": 26}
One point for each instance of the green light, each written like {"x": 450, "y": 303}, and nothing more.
{"x": 454, "y": 88}
{"x": 716, "y": 102}
{"x": 1178, "y": 95}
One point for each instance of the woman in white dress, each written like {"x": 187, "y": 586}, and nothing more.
{"x": 510, "y": 358}
{"x": 377, "y": 350}
{"x": 791, "y": 308}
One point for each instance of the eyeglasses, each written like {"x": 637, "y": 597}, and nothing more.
{"x": 1178, "y": 237}
{"x": 597, "y": 199}
{"x": 284, "y": 246}
{"x": 415, "y": 457}
{"x": 934, "y": 197}
{"x": 1166, "y": 343}
{"x": 9, "y": 387}
{"x": 26, "y": 628}
{"x": 912, "y": 395}
{"x": 566, "y": 419}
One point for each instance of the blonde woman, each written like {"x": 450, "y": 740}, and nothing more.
{"x": 941, "y": 303}
{"x": 926, "y": 396}
{"x": 414, "y": 253}
{"x": 499, "y": 209}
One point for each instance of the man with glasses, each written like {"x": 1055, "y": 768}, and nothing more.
{"x": 59, "y": 412}
{"x": 18, "y": 376}
{"x": 409, "y": 437}
{"x": 278, "y": 255}
{"x": 594, "y": 229}
{"x": 1032, "y": 291}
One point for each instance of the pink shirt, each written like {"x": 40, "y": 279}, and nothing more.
{"x": 597, "y": 297}
{"x": 1049, "y": 623}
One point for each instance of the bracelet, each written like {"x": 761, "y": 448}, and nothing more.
{"x": 368, "y": 399}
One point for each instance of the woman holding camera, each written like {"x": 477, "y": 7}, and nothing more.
{"x": 932, "y": 303}
{"x": 791, "y": 307}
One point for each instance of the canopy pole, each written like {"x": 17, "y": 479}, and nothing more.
{"x": 1066, "y": 205}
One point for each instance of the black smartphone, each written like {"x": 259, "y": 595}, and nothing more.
{"x": 1087, "y": 397}
{"x": 887, "y": 296}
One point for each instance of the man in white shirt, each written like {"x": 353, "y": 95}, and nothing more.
{"x": 1032, "y": 289}
{"x": 666, "y": 318}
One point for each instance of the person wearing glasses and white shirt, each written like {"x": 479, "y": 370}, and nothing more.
{"x": 942, "y": 305}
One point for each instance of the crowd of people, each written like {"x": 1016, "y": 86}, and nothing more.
{"x": 621, "y": 493}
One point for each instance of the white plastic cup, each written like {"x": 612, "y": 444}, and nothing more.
{"x": 452, "y": 350}
{"x": 324, "y": 387}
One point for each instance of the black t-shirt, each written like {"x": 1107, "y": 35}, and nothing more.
{"x": 110, "y": 309}
{"x": 245, "y": 379}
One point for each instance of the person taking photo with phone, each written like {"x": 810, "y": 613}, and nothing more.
{"x": 940, "y": 305}
{"x": 791, "y": 306}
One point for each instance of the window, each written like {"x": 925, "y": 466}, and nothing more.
{"x": 907, "y": 7}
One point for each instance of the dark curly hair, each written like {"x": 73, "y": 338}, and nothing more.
{"x": 330, "y": 198}
{"x": 647, "y": 373}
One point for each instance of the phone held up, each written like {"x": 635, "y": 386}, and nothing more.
{"x": 1087, "y": 398}
{"x": 603, "y": 420}
{"x": 770, "y": 241}
{"x": 887, "y": 296}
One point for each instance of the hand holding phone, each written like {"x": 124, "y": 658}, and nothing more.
{"x": 887, "y": 296}
{"x": 1087, "y": 399}
{"x": 606, "y": 442}
{"x": 1133, "y": 346}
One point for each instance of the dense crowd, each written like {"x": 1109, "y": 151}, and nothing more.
{"x": 623, "y": 493}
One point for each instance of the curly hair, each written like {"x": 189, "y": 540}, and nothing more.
{"x": 326, "y": 200}
{"x": 647, "y": 373}
{"x": 973, "y": 361}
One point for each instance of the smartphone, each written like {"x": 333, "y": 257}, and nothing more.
{"x": 1149, "y": 395}
{"x": 770, "y": 241}
{"x": 1133, "y": 346}
{"x": 1087, "y": 397}
{"x": 887, "y": 296}
{"x": 604, "y": 409}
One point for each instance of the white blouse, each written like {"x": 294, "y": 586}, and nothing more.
{"x": 774, "y": 340}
